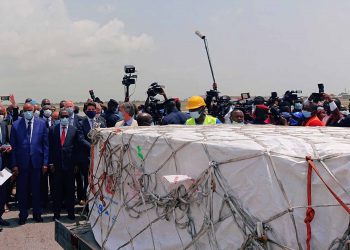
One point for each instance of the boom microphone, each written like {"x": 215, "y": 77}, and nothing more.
{"x": 199, "y": 35}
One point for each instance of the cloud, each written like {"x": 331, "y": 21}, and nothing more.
{"x": 39, "y": 34}
{"x": 105, "y": 8}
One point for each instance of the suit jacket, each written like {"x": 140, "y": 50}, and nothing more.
{"x": 84, "y": 140}
{"x": 23, "y": 150}
{"x": 3, "y": 140}
{"x": 121, "y": 124}
{"x": 63, "y": 157}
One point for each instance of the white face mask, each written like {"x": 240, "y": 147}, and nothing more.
{"x": 47, "y": 113}
{"x": 195, "y": 115}
{"x": 36, "y": 113}
{"x": 2, "y": 118}
{"x": 237, "y": 123}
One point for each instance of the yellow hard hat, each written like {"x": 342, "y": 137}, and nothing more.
{"x": 195, "y": 102}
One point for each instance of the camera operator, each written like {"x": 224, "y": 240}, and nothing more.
{"x": 153, "y": 106}
{"x": 196, "y": 106}
{"x": 111, "y": 115}
{"x": 174, "y": 116}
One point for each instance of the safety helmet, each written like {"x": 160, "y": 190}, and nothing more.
{"x": 195, "y": 102}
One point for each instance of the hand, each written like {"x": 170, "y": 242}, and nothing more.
{"x": 14, "y": 173}
{"x": 327, "y": 97}
{"x": 52, "y": 169}
{"x": 8, "y": 149}
{"x": 13, "y": 101}
{"x": 45, "y": 169}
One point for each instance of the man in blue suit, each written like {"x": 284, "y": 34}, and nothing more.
{"x": 30, "y": 156}
{"x": 4, "y": 149}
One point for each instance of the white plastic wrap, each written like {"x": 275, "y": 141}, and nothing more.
{"x": 248, "y": 181}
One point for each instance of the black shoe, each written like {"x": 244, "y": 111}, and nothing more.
{"x": 56, "y": 217}
{"x": 21, "y": 222}
{"x": 38, "y": 219}
{"x": 4, "y": 222}
{"x": 71, "y": 216}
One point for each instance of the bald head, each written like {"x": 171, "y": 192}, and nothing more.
{"x": 28, "y": 107}
{"x": 144, "y": 119}
{"x": 237, "y": 116}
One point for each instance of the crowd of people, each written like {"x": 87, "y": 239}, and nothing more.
{"x": 47, "y": 148}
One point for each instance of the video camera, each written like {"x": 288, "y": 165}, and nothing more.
{"x": 156, "y": 109}
{"x": 154, "y": 106}
{"x": 155, "y": 89}
{"x": 291, "y": 96}
{"x": 93, "y": 98}
{"x": 317, "y": 97}
{"x": 130, "y": 77}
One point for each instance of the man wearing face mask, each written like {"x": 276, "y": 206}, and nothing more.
{"x": 111, "y": 115}
{"x": 312, "y": 116}
{"x": 127, "y": 112}
{"x": 174, "y": 116}
{"x": 73, "y": 119}
{"x": 45, "y": 115}
{"x": 29, "y": 158}
{"x": 37, "y": 110}
{"x": 196, "y": 106}
{"x": 99, "y": 117}
{"x": 63, "y": 141}
{"x": 5, "y": 148}
{"x": 88, "y": 123}
{"x": 237, "y": 117}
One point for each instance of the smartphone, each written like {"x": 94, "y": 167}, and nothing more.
{"x": 245, "y": 95}
{"x": 5, "y": 98}
{"x": 320, "y": 88}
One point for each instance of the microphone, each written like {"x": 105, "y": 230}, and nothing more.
{"x": 200, "y": 35}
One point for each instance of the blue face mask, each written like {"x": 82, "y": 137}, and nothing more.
{"x": 121, "y": 116}
{"x": 91, "y": 114}
{"x": 56, "y": 122}
{"x": 64, "y": 121}
{"x": 28, "y": 115}
{"x": 70, "y": 111}
{"x": 306, "y": 114}
{"x": 195, "y": 114}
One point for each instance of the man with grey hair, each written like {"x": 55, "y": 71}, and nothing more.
{"x": 127, "y": 111}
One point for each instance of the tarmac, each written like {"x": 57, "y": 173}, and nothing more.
{"x": 32, "y": 235}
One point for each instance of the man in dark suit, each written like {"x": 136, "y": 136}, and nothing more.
{"x": 88, "y": 123}
{"x": 5, "y": 148}
{"x": 30, "y": 156}
{"x": 46, "y": 114}
{"x": 63, "y": 142}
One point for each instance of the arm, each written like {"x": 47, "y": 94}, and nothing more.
{"x": 82, "y": 141}
{"x": 13, "y": 139}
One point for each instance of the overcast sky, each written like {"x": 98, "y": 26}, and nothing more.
{"x": 61, "y": 49}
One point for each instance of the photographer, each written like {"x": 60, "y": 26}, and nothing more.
{"x": 174, "y": 116}
{"x": 111, "y": 115}
{"x": 153, "y": 106}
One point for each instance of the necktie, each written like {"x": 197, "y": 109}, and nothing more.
{"x": 63, "y": 136}
{"x": 29, "y": 130}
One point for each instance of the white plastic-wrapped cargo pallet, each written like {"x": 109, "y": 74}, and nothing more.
{"x": 220, "y": 187}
